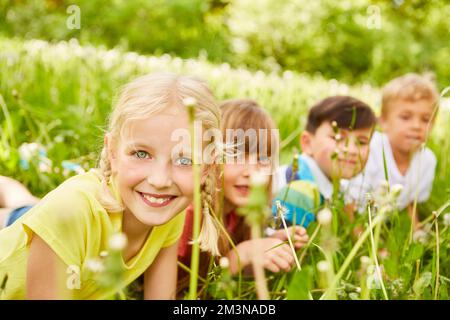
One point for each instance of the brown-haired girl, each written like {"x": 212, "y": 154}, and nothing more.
{"x": 244, "y": 124}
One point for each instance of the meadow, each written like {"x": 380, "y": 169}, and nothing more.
{"x": 54, "y": 100}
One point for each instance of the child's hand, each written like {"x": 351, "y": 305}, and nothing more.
{"x": 276, "y": 255}
{"x": 278, "y": 258}
{"x": 298, "y": 236}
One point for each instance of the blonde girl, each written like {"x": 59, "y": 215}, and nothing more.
{"x": 139, "y": 190}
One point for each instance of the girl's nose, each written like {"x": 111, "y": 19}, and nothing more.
{"x": 159, "y": 177}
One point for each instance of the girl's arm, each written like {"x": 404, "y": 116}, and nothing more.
{"x": 46, "y": 277}
{"x": 160, "y": 279}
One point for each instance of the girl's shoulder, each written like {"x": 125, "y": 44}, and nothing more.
{"x": 76, "y": 198}
{"x": 82, "y": 186}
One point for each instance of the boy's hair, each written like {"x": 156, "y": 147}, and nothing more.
{"x": 346, "y": 111}
{"x": 245, "y": 114}
{"x": 146, "y": 96}
{"x": 409, "y": 87}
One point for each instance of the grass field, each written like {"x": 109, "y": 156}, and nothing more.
{"x": 54, "y": 100}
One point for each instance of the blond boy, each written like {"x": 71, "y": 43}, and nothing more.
{"x": 407, "y": 116}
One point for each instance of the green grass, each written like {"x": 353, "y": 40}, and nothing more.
{"x": 59, "y": 95}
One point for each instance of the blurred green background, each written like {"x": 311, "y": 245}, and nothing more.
{"x": 352, "y": 41}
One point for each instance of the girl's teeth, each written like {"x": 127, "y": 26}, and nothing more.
{"x": 156, "y": 200}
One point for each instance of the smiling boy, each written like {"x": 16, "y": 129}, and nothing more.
{"x": 335, "y": 145}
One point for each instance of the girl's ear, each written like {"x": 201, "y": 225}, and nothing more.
{"x": 306, "y": 142}
{"x": 111, "y": 152}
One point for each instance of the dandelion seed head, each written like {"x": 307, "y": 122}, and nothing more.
{"x": 324, "y": 216}
{"x": 365, "y": 261}
{"x": 396, "y": 189}
{"x": 420, "y": 236}
{"x": 118, "y": 241}
{"x": 323, "y": 266}
{"x": 446, "y": 219}
{"x": 224, "y": 262}
{"x": 189, "y": 101}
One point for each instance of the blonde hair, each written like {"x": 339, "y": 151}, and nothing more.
{"x": 409, "y": 87}
{"x": 148, "y": 95}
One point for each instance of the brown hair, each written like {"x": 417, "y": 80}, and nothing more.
{"x": 409, "y": 87}
{"x": 235, "y": 114}
{"x": 246, "y": 114}
{"x": 346, "y": 111}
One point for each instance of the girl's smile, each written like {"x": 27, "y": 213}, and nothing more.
{"x": 156, "y": 200}
{"x": 242, "y": 189}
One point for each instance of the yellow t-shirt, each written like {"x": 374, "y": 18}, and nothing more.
{"x": 71, "y": 220}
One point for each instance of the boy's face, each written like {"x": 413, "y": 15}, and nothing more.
{"x": 338, "y": 156}
{"x": 407, "y": 124}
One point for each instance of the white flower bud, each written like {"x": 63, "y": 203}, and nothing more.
{"x": 189, "y": 101}
{"x": 323, "y": 266}
{"x": 118, "y": 241}
{"x": 396, "y": 189}
{"x": 446, "y": 219}
{"x": 420, "y": 236}
{"x": 224, "y": 262}
{"x": 365, "y": 261}
{"x": 324, "y": 216}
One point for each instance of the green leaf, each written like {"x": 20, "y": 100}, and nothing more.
{"x": 420, "y": 284}
{"x": 300, "y": 285}
{"x": 414, "y": 252}
{"x": 443, "y": 291}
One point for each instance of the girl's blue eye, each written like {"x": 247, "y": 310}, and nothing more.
{"x": 141, "y": 154}
{"x": 183, "y": 161}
